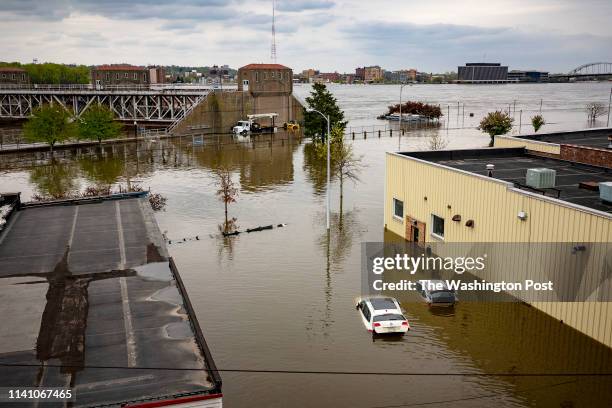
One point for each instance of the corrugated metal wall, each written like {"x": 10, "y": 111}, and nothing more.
{"x": 494, "y": 205}
{"x": 508, "y": 141}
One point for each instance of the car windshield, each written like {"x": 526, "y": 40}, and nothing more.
{"x": 387, "y": 317}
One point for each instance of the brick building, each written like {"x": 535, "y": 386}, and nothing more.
{"x": 13, "y": 75}
{"x": 265, "y": 79}
{"x": 157, "y": 75}
{"x": 119, "y": 74}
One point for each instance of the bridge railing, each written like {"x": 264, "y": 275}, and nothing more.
{"x": 127, "y": 87}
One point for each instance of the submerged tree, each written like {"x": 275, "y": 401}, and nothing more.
{"x": 99, "y": 123}
{"x": 496, "y": 123}
{"x": 323, "y": 101}
{"x": 417, "y": 108}
{"x": 436, "y": 142}
{"x": 49, "y": 124}
{"x": 537, "y": 122}
{"x": 226, "y": 193}
{"x": 595, "y": 110}
{"x": 346, "y": 166}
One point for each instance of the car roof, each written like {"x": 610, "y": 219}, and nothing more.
{"x": 383, "y": 303}
{"x": 437, "y": 281}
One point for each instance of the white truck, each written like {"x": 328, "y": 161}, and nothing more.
{"x": 242, "y": 127}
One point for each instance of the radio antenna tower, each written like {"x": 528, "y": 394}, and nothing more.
{"x": 273, "y": 49}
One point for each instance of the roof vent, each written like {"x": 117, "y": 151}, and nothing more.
{"x": 605, "y": 191}
{"x": 541, "y": 178}
{"x": 490, "y": 168}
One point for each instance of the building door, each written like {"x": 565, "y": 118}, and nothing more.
{"x": 415, "y": 230}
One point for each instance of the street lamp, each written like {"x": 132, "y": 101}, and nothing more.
{"x": 400, "y": 109}
{"x": 328, "y": 162}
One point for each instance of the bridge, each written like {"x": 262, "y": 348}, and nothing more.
{"x": 592, "y": 69}
{"x": 165, "y": 104}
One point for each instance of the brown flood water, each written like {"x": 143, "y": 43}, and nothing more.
{"x": 283, "y": 299}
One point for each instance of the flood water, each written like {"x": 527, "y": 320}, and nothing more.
{"x": 283, "y": 299}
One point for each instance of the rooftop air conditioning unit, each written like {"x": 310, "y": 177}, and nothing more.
{"x": 541, "y": 178}
{"x": 605, "y": 191}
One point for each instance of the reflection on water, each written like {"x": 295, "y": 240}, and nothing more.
{"x": 282, "y": 299}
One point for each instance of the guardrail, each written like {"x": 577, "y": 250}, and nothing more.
{"x": 127, "y": 87}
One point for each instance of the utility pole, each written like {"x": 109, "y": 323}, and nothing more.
{"x": 609, "y": 103}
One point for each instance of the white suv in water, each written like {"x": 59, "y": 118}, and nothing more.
{"x": 382, "y": 315}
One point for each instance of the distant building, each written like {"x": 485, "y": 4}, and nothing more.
{"x": 373, "y": 74}
{"x": 14, "y": 75}
{"x": 157, "y": 75}
{"x": 527, "y": 76}
{"x": 402, "y": 75}
{"x": 269, "y": 79}
{"x": 360, "y": 74}
{"x": 330, "y": 76}
{"x": 482, "y": 72}
{"x": 348, "y": 78}
{"x": 119, "y": 74}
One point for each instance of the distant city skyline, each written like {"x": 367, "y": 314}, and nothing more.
{"x": 328, "y": 35}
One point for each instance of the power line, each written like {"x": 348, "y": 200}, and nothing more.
{"x": 316, "y": 372}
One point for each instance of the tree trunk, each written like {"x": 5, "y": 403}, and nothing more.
{"x": 225, "y": 226}
{"x": 341, "y": 192}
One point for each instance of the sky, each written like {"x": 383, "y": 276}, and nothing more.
{"x": 329, "y": 35}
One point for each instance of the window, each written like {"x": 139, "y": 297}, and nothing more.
{"x": 13, "y": 76}
{"x": 265, "y": 74}
{"x": 3, "y": 75}
{"x": 398, "y": 209}
{"x": 366, "y": 312}
{"x": 273, "y": 74}
{"x": 136, "y": 76}
{"x": 117, "y": 75}
{"x": 125, "y": 75}
{"x": 107, "y": 76}
{"x": 437, "y": 226}
{"x": 256, "y": 76}
{"x": 280, "y": 75}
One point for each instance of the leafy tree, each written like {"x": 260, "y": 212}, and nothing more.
{"x": 417, "y": 108}
{"x": 537, "y": 122}
{"x": 322, "y": 100}
{"x": 226, "y": 193}
{"x": 496, "y": 123}
{"x": 98, "y": 122}
{"x": 49, "y": 124}
{"x": 50, "y": 73}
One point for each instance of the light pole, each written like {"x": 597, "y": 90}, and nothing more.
{"x": 609, "y": 102}
{"x": 328, "y": 163}
{"x": 400, "y": 110}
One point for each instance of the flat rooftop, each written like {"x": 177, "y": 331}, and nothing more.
{"x": 91, "y": 300}
{"x": 597, "y": 138}
{"x": 511, "y": 165}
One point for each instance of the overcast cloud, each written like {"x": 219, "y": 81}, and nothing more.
{"x": 329, "y": 35}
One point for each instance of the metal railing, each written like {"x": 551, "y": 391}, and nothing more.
{"x": 126, "y": 87}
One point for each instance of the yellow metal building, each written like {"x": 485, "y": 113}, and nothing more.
{"x": 425, "y": 191}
